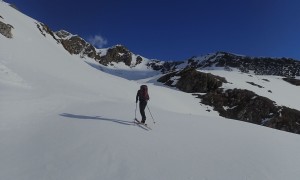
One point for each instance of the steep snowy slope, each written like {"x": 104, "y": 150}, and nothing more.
{"x": 61, "y": 118}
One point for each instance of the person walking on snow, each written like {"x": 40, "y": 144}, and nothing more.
{"x": 143, "y": 96}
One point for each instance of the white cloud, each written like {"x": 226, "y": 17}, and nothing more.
{"x": 97, "y": 41}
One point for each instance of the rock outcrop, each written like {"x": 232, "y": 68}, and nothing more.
{"x": 164, "y": 66}
{"x": 76, "y": 45}
{"x": 44, "y": 29}
{"x": 6, "y": 29}
{"x": 117, "y": 54}
{"x": 293, "y": 81}
{"x": 192, "y": 81}
{"x": 247, "y": 106}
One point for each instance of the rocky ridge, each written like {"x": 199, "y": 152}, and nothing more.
{"x": 285, "y": 67}
{"x": 77, "y": 45}
{"x": 74, "y": 44}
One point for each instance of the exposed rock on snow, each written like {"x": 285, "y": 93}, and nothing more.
{"x": 193, "y": 81}
{"x": 164, "y": 66}
{"x": 293, "y": 81}
{"x": 5, "y": 29}
{"x": 44, "y": 29}
{"x": 250, "y": 107}
{"x": 117, "y": 54}
{"x": 252, "y": 83}
{"x": 76, "y": 45}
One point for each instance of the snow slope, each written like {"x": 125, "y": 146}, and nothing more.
{"x": 61, "y": 118}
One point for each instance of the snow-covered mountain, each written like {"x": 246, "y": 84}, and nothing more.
{"x": 65, "y": 116}
{"x": 189, "y": 76}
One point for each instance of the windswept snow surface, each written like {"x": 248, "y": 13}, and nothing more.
{"x": 60, "y": 118}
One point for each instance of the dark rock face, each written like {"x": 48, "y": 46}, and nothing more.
{"x": 240, "y": 104}
{"x": 246, "y": 106}
{"x": 293, "y": 81}
{"x": 44, "y": 29}
{"x": 288, "y": 120}
{"x": 164, "y": 67}
{"x": 139, "y": 60}
{"x": 5, "y": 29}
{"x": 117, "y": 54}
{"x": 76, "y": 45}
{"x": 190, "y": 80}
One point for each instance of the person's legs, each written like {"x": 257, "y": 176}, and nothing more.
{"x": 143, "y": 105}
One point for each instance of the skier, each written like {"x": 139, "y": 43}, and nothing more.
{"x": 143, "y": 96}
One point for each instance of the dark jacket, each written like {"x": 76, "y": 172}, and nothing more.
{"x": 142, "y": 97}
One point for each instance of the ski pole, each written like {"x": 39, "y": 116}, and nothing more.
{"x": 151, "y": 114}
{"x": 135, "y": 110}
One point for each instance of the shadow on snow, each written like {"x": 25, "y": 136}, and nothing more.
{"x": 97, "y": 118}
{"x": 129, "y": 74}
{"x": 123, "y": 122}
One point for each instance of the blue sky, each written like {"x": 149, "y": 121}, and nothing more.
{"x": 177, "y": 30}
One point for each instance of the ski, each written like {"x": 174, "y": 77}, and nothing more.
{"x": 142, "y": 124}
